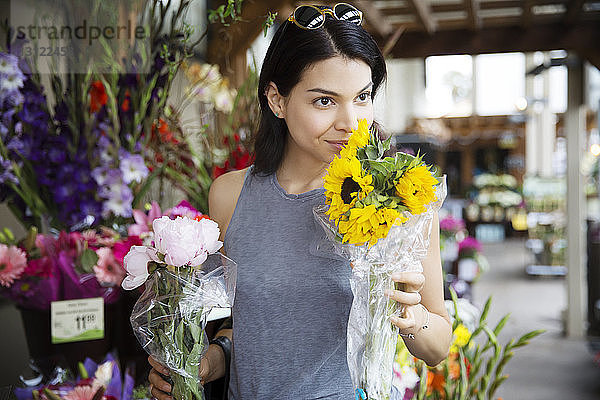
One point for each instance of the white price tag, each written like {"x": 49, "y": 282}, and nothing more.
{"x": 76, "y": 320}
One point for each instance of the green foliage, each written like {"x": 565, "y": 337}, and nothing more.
{"x": 481, "y": 361}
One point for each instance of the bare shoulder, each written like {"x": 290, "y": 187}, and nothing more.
{"x": 223, "y": 196}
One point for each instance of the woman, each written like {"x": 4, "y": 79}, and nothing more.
{"x": 318, "y": 79}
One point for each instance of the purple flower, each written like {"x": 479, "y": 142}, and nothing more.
{"x": 119, "y": 202}
{"x": 6, "y": 172}
{"x": 9, "y": 63}
{"x": 11, "y": 82}
{"x": 106, "y": 176}
{"x": 132, "y": 167}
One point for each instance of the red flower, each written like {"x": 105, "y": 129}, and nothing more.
{"x": 218, "y": 171}
{"x": 125, "y": 105}
{"x": 165, "y": 134}
{"x": 98, "y": 96}
{"x": 201, "y": 217}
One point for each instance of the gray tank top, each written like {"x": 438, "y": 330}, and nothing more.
{"x": 292, "y": 301}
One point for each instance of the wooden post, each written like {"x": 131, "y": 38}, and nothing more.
{"x": 576, "y": 228}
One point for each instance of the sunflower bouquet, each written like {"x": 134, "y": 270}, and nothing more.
{"x": 378, "y": 215}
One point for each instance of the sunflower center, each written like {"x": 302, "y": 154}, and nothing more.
{"x": 348, "y": 187}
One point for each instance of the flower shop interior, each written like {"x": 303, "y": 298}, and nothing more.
{"x": 502, "y": 97}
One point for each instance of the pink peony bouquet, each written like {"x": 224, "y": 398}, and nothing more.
{"x": 185, "y": 277}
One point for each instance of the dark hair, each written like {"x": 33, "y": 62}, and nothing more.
{"x": 291, "y": 52}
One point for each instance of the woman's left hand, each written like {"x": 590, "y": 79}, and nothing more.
{"x": 411, "y": 284}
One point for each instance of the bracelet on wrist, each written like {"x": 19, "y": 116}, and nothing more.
{"x": 225, "y": 344}
{"x": 424, "y": 326}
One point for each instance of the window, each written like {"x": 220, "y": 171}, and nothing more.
{"x": 500, "y": 82}
{"x": 449, "y": 85}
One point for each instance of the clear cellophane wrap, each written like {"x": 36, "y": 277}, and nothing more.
{"x": 371, "y": 337}
{"x": 169, "y": 318}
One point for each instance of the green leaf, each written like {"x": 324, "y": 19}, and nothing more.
{"x": 89, "y": 258}
{"x": 423, "y": 382}
{"x": 523, "y": 340}
{"x": 371, "y": 152}
{"x": 486, "y": 310}
{"x": 82, "y": 371}
{"x": 501, "y": 324}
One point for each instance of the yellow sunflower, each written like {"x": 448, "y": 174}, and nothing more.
{"x": 416, "y": 187}
{"x": 359, "y": 138}
{"x": 358, "y": 228}
{"x": 345, "y": 183}
{"x": 368, "y": 224}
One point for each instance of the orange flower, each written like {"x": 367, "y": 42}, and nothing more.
{"x": 98, "y": 96}
{"x": 435, "y": 382}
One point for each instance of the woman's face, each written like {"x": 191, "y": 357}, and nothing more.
{"x": 324, "y": 107}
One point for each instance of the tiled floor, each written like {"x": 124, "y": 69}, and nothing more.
{"x": 551, "y": 367}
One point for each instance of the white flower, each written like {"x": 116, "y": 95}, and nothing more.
{"x": 185, "y": 241}
{"x": 224, "y": 100}
{"x": 103, "y": 374}
{"x": 136, "y": 264}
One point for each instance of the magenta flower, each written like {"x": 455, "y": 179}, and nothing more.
{"x": 143, "y": 222}
{"x": 183, "y": 209}
{"x": 12, "y": 264}
{"x": 469, "y": 247}
{"x": 120, "y": 249}
{"x": 107, "y": 269}
{"x": 451, "y": 224}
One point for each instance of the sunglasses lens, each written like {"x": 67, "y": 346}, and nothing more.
{"x": 308, "y": 17}
{"x": 346, "y": 12}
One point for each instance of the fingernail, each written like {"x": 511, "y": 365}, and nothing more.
{"x": 387, "y": 292}
{"x": 166, "y": 388}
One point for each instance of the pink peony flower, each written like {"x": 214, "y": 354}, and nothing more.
{"x": 143, "y": 222}
{"x": 12, "y": 264}
{"x": 136, "y": 265}
{"x": 120, "y": 249}
{"x": 107, "y": 269}
{"x": 185, "y": 241}
{"x": 81, "y": 393}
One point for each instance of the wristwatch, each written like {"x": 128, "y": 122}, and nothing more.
{"x": 225, "y": 344}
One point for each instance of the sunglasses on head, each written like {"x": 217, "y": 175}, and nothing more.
{"x": 313, "y": 17}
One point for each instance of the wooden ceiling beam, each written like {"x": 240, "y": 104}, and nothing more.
{"x": 423, "y": 13}
{"x": 581, "y": 38}
{"x": 573, "y": 11}
{"x": 472, "y": 7}
{"x": 492, "y": 5}
{"x": 526, "y": 15}
{"x": 375, "y": 18}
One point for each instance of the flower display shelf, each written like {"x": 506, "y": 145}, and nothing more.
{"x": 546, "y": 225}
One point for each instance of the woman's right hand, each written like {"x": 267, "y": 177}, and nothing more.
{"x": 161, "y": 389}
